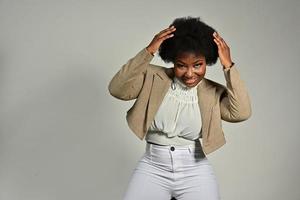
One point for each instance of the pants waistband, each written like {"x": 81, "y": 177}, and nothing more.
{"x": 195, "y": 145}
{"x": 195, "y": 148}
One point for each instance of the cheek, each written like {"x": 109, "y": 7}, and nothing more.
{"x": 201, "y": 71}
{"x": 178, "y": 72}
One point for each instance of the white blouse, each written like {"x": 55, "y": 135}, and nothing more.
{"x": 178, "y": 119}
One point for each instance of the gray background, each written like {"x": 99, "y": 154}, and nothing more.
{"x": 63, "y": 137}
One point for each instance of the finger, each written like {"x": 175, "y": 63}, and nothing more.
{"x": 219, "y": 38}
{"x": 221, "y": 42}
{"x": 160, "y": 40}
{"x": 166, "y": 37}
{"x": 171, "y": 28}
{"x": 217, "y": 35}
{"x": 160, "y": 35}
{"x": 167, "y": 29}
{"x": 225, "y": 44}
{"x": 166, "y": 33}
{"x": 218, "y": 43}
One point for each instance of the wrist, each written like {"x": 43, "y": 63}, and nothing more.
{"x": 228, "y": 66}
{"x": 150, "y": 51}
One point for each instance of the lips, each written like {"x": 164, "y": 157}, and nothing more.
{"x": 190, "y": 81}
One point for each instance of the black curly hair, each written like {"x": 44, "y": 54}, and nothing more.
{"x": 193, "y": 36}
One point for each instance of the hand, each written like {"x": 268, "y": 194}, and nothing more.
{"x": 223, "y": 50}
{"x": 159, "y": 38}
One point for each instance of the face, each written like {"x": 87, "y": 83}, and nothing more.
{"x": 190, "y": 68}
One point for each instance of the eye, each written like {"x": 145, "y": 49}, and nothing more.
{"x": 179, "y": 65}
{"x": 198, "y": 65}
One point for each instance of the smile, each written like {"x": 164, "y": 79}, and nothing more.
{"x": 190, "y": 81}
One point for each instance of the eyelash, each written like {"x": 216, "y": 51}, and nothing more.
{"x": 180, "y": 65}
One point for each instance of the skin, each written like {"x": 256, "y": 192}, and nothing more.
{"x": 188, "y": 67}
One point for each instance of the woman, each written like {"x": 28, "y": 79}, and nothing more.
{"x": 176, "y": 107}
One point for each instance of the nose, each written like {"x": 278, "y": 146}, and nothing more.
{"x": 189, "y": 72}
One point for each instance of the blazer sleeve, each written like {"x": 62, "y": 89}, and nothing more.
{"x": 127, "y": 83}
{"x": 235, "y": 103}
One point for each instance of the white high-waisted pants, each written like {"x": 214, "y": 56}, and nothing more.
{"x": 183, "y": 172}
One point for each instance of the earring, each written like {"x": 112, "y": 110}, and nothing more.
{"x": 173, "y": 85}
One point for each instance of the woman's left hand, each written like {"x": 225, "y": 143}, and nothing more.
{"x": 223, "y": 50}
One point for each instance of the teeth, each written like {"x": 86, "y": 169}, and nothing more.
{"x": 190, "y": 81}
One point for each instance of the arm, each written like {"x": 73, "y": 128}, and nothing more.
{"x": 234, "y": 100}
{"x": 128, "y": 81}
{"x": 235, "y": 103}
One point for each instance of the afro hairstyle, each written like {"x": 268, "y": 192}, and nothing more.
{"x": 193, "y": 36}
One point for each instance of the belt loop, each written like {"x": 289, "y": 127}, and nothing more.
{"x": 148, "y": 148}
{"x": 149, "y": 151}
{"x": 151, "y": 145}
{"x": 190, "y": 150}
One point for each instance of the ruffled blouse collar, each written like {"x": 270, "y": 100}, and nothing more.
{"x": 181, "y": 85}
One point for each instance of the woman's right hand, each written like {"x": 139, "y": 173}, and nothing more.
{"x": 159, "y": 38}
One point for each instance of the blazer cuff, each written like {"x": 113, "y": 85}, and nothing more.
{"x": 226, "y": 69}
{"x": 145, "y": 55}
{"x": 232, "y": 76}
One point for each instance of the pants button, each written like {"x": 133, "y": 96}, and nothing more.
{"x": 172, "y": 148}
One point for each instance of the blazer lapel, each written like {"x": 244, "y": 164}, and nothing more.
{"x": 206, "y": 102}
{"x": 161, "y": 83}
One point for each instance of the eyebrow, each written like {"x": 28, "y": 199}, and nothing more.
{"x": 201, "y": 59}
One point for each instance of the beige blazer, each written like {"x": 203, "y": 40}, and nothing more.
{"x": 148, "y": 84}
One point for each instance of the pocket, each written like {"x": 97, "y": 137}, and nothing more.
{"x": 143, "y": 163}
{"x": 146, "y": 157}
